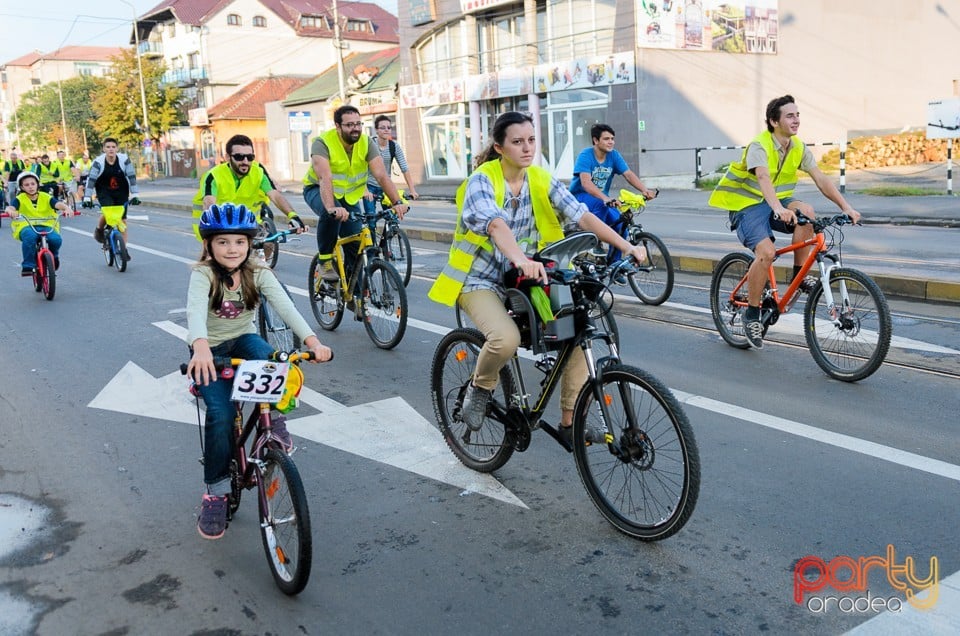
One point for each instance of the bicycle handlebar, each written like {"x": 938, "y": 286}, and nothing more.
{"x": 278, "y": 356}
{"x": 823, "y": 222}
{"x": 280, "y": 236}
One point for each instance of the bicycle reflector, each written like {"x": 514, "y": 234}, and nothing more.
{"x": 291, "y": 390}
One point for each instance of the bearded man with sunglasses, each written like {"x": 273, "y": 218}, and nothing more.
{"x": 242, "y": 181}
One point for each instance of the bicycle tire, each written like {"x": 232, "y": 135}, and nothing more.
{"x": 48, "y": 276}
{"x": 285, "y": 523}
{"x": 454, "y": 360}
{"x": 727, "y": 316}
{"x": 650, "y": 493}
{"x": 395, "y": 249}
{"x": 326, "y": 298}
{"x": 73, "y": 202}
{"x": 37, "y": 279}
{"x": 463, "y": 320}
{"x": 271, "y": 251}
{"x": 119, "y": 247}
{"x": 272, "y": 327}
{"x": 383, "y": 303}
{"x": 653, "y": 283}
{"x": 857, "y": 348}
{"x": 106, "y": 248}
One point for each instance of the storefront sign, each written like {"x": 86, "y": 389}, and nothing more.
{"x": 422, "y": 12}
{"x": 733, "y": 26}
{"x": 586, "y": 72}
{"x": 299, "y": 121}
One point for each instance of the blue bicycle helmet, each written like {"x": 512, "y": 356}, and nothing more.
{"x": 228, "y": 219}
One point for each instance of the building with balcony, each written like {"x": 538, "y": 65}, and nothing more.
{"x": 213, "y": 47}
{"x": 23, "y": 74}
{"x": 669, "y": 76}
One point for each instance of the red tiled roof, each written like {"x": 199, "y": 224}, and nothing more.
{"x": 69, "y": 54}
{"x": 386, "y": 25}
{"x": 249, "y": 101}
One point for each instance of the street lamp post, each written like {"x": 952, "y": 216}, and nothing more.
{"x": 143, "y": 92}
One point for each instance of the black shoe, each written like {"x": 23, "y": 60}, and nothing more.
{"x": 98, "y": 235}
{"x": 24, "y": 271}
{"x": 591, "y": 436}
{"x": 126, "y": 255}
{"x": 808, "y": 284}
{"x": 753, "y": 331}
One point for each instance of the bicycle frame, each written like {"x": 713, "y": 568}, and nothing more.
{"x": 364, "y": 241}
{"x": 785, "y": 302}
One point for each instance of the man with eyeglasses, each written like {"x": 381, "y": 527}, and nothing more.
{"x": 390, "y": 150}
{"x": 242, "y": 181}
{"x": 341, "y": 160}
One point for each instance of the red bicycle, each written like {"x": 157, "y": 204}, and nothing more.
{"x": 45, "y": 271}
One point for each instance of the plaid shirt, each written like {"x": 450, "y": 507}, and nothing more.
{"x": 480, "y": 209}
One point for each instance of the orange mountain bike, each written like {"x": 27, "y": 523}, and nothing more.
{"x": 846, "y": 320}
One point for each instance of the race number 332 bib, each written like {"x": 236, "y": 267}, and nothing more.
{"x": 260, "y": 381}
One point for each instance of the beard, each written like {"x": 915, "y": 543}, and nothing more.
{"x": 240, "y": 168}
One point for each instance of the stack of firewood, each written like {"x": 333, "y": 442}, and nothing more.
{"x": 906, "y": 149}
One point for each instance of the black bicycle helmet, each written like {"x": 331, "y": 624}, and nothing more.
{"x": 228, "y": 219}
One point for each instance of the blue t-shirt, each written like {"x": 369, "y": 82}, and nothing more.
{"x": 600, "y": 173}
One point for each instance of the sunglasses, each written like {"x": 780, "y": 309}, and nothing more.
{"x": 238, "y": 156}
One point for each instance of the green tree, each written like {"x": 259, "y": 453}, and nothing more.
{"x": 40, "y": 119}
{"x": 119, "y": 108}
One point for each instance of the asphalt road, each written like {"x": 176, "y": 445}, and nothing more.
{"x": 98, "y": 506}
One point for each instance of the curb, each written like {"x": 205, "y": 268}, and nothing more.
{"x": 900, "y": 286}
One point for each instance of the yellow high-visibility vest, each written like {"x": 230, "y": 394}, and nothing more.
{"x": 467, "y": 244}
{"x": 739, "y": 187}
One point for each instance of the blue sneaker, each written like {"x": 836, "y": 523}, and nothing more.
{"x": 212, "y": 521}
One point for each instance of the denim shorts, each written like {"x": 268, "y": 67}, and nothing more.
{"x": 756, "y": 223}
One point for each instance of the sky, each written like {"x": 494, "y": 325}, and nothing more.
{"x": 50, "y": 24}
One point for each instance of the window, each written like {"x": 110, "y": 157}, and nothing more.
{"x": 441, "y": 55}
{"x": 259, "y": 21}
{"x": 193, "y": 60}
{"x": 171, "y": 29}
{"x": 579, "y": 28}
{"x": 208, "y": 149}
{"x": 356, "y": 25}
{"x": 313, "y": 22}
{"x": 233, "y": 19}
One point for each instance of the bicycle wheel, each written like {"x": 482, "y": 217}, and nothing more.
{"x": 105, "y": 246}
{"x": 463, "y": 320}
{"x": 119, "y": 248}
{"x": 653, "y": 283}
{"x": 285, "y": 523}
{"x": 273, "y": 329}
{"x": 383, "y": 301}
{"x": 395, "y": 249}
{"x": 271, "y": 251}
{"x": 453, "y": 363}
{"x": 646, "y": 480}
{"x": 48, "y": 276}
{"x": 72, "y": 202}
{"x": 326, "y": 298}
{"x": 728, "y": 311}
{"x": 849, "y": 341}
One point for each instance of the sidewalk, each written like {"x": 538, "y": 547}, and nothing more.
{"x": 934, "y": 211}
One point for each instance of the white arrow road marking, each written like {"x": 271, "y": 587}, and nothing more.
{"x": 388, "y": 431}
{"x": 135, "y": 391}
{"x": 392, "y": 432}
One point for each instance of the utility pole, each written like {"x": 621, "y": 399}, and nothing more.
{"x": 63, "y": 116}
{"x": 338, "y": 43}
{"x": 143, "y": 94}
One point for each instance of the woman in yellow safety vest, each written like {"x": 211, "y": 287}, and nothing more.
{"x": 505, "y": 204}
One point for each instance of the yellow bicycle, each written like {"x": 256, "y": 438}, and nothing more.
{"x": 369, "y": 286}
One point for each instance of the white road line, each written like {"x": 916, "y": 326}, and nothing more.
{"x": 943, "y": 618}
{"x": 864, "y": 447}
{"x": 708, "y": 232}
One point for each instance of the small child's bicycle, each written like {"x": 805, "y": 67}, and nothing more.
{"x": 45, "y": 271}
{"x": 652, "y": 282}
{"x": 114, "y": 246}
{"x": 260, "y": 462}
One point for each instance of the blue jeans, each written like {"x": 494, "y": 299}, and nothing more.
{"x": 217, "y": 435}
{"x": 28, "y": 245}
{"x": 607, "y": 214}
{"x": 370, "y": 207}
{"x": 330, "y": 229}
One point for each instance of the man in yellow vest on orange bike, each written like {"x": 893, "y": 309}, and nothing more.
{"x": 241, "y": 181}
{"x": 341, "y": 159}
{"x": 758, "y": 192}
